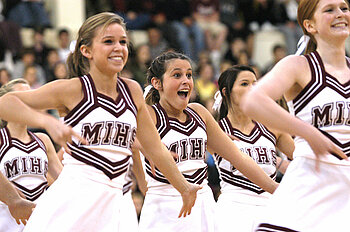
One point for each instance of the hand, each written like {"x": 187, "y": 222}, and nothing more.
{"x": 21, "y": 209}
{"x": 321, "y": 145}
{"x": 189, "y": 198}
{"x": 62, "y": 133}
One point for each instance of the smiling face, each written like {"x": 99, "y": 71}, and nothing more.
{"x": 177, "y": 85}
{"x": 109, "y": 50}
{"x": 245, "y": 80}
{"x": 331, "y": 20}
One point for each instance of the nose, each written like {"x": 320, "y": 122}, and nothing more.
{"x": 340, "y": 13}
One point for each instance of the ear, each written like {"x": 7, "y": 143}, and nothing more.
{"x": 310, "y": 26}
{"x": 85, "y": 50}
{"x": 224, "y": 91}
{"x": 157, "y": 84}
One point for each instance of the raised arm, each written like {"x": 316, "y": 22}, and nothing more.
{"x": 219, "y": 142}
{"x": 20, "y": 208}
{"x": 151, "y": 143}
{"x": 288, "y": 78}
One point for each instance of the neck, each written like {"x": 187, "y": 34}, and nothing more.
{"x": 332, "y": 54}
{"x": 18, "y": 131}
{"x": 239, "y": 120}
{"x": 173, "y": 112}
{"x": 103, "y": 82}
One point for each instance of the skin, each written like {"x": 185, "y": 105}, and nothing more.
{"x": 330, "y": 32}
{"x": 178, "y": 77}
{"x": 19, "y": 207}
{"x": 107, "y": 56}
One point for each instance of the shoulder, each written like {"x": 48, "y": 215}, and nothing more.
{"x": 199, "y": 109}
{"x": 294, "y": 62}
{"x": 73, "y": 84}
{"x": 44, "y": 138}
{"x": 135, "y": 91}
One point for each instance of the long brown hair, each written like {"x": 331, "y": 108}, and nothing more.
{"x": 78, "y": 64}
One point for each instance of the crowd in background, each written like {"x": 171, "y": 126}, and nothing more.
{"x": 215, "y": 34}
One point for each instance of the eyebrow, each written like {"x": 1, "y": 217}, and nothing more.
{"x": 179, "y": 69}
{"x": 334, "y": 5}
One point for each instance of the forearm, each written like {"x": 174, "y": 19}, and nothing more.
{"x": 166, "y": 164}
{"x": 13, "y": 109}
{"x": 266, "y": 111}
{"x": 8, "y": 193}
{"x": 247, "y": 166}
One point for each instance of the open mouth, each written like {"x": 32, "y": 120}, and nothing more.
{"x": 183, "y": 93}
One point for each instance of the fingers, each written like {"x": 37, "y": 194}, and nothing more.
{"x": 18, "y": 221}
{"x": 24, "y": 221}
{"x": 81, "y": 139}
{"x": 175, "y": 155}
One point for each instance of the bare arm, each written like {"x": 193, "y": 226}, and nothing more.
{"x": 137, "y": 169}
{"x": 225, "y": 147}
{"x": 20, "y": 208}
{"x": 55, "y": 166}
{"x": 259, "y": 104}
{"x": 151, "y": 143}
{"x": 23, "y": 106}
{"x": 285, "y": 144}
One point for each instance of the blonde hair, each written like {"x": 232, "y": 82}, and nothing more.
{"x": 78, "y": 65}
{"x": 8, "y": 87}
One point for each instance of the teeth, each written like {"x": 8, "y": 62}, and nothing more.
{"x": 116, "y": 58}
{"x": 340, "y": 25}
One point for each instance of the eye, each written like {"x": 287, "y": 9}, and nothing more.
{"x": 177, "y": 75}
{"x": 189, "y": 75}
{"x": 244, "y": 84}
{"x": 108, "y": 41}
{"x": 345, "y": 9}
{"x": 123, "y": 42}
{"x": 329, "y": 10}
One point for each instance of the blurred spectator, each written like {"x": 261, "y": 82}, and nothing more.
{"x": 5, "y": 76}
{"x": 231, "y": 15}
{"x": 51, "y": 60}
{"x": 94, "y": 7}
{"x": 207, "y": 15}
{"x": 279, "y": 52}
{"x": 156, "y": 42}
{"x": 139, "y": 63}
{"x": 288, "y": 23}
{"x": 30, "y": 74}
{"x": 28, "y": 13}
{"x": 259, "y": 14}
{"x": 60, "y": 71}
{"x": 28, "y": 59}
{"x": 189, "y": 36}
{"x": 205, "y": 85}
{"x": 40, "y": 48}
{"x": 136, "y": 13}
{"x": 63, "y": 44}
{"x": 236, "y": 46}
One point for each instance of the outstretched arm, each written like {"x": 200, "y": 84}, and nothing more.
{"x": 20, "y": 208}
{"x": 219, "y": 142}
{"x": 259, "y": 103}
{"x": 23, "y": 106}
